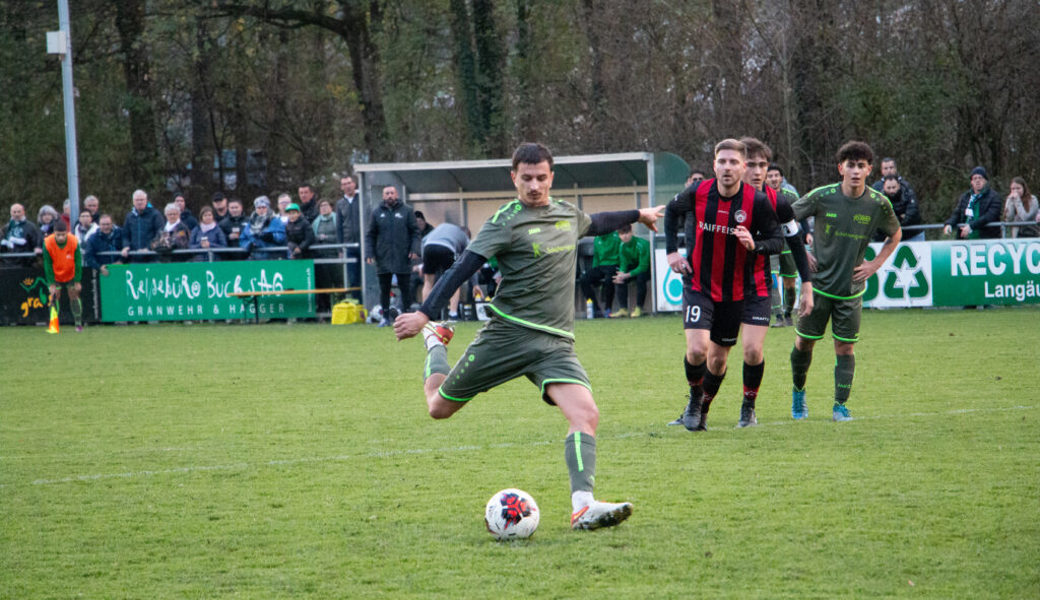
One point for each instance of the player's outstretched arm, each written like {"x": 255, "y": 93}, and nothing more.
{"x": 649, "y": 216}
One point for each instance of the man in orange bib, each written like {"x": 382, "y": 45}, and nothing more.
{"x": 62, "y": 268}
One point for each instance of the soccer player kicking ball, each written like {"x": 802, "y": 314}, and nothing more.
{"x": 531, "y": 331}
{"x": 732, "y": 223}
{"x": 847, "y": 214}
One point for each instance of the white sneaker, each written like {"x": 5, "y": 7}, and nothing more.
{"x": 601, "y": 514}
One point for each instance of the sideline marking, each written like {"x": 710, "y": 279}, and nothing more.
{"x": 418, "y": 451}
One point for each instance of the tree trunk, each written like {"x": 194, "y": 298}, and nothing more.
{"x": 144, "y": 150}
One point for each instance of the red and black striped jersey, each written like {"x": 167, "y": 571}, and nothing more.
{"x": 719, "y": 261}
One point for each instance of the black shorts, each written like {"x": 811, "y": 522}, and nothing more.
{"x": 757, "y": 310}
{"x": 437, "y": 259}
{"x": 721, "y": 318}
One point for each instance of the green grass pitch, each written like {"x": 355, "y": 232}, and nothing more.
{"x": 277, "y": 461}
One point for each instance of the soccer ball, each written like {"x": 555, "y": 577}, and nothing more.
{"x": 511, "y": 514}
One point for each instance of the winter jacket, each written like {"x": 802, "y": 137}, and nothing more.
{"x": 299, "y": 234}
{"x": 177, "y": 238}
{"x": 986, "y": 211}
{"x": 348, "y": 214}
{"x": 102, "y": 242}
{"x": 232, "y": 228}
{"x": 21, "y": 236}
{"x": 1017, "y": 210}
{"x": 391, "y": 235}
{"x": 216, "y": 240}
{"x": 906, "y": 211}
{"x": 139, "y": 229}
{"x": 326, "y": 231}
{"x": 271, "y": 234}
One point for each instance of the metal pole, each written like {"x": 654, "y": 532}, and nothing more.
{"x": 68, "y": 92}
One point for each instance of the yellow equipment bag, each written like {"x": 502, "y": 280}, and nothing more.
{"x": 346, "y": 313}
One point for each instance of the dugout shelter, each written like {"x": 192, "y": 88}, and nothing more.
{"x": 469, "y": 192}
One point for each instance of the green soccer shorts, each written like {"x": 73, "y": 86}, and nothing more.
{"x": 502, "y": 352}
{"x": 844, "y": 316}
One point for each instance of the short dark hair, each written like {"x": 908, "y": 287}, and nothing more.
{"x": 695, "y": 172}
{"x": 888, "y": 159}
{"x": 891, "y": 177}
{"x": 419, "y": 215}
{"x": 756, "y": 147}
{"x": 855, "y": 151}
{"x": 775, "y": 167}
{"x": 731, "y": 144}
{"x": 60, "y": 225}
{"x": 531, "y": 153}
{"x": 626, "y": 228}
{"x": 236, "y": 200}
{"x": 309, "y": 187}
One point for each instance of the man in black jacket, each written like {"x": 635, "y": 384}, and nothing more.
{"x": 976, "y": 209}
{"x": 905, "y": 207}
{"x": 348, "y": 215}
{"x": 142, "y": 225}
{"x": 391, "y": 240}
{"x": 232, "y": 225}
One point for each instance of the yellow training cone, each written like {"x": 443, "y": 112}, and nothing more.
{"x": 53, "y": 327}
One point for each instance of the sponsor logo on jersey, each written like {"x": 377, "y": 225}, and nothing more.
{"x": 740, "y": 216}
{"x": 861, "y": 219}
{"x": 716, "y": 228}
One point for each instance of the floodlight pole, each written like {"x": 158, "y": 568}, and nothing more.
{"x": 60, "y": 43}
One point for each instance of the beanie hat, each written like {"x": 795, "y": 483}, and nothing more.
{"x": 980, "y": 171}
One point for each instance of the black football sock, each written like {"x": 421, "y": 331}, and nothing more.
{"x": 712, "y": 383}
{"x": 844, "y": 370}
{"x": 752, "y": 381}
{"x": 800, "y": 361}
{"x": 695, "y": 377}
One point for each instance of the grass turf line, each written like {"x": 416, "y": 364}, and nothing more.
{"x": 277, "y": 462}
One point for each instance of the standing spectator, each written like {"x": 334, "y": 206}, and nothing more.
{"x": 888, "y": 167}
{"x": 63, "y": 268}
{"x": 108, "y": 238}
{"x": 187, "y": 217}
{"x": 391, "y": 241}
{"x": 65, "y": 216}
{"x": 85, "y": 227}
{"x": 45, "y": 218}
{"x": 440, "y": 249}
{"x": 976, "y": 209}
{"x": 604, "y": 267}
{"x": 92, "y": 204}
{"x": 326, "y": 275}
{"x": 424, "y": 226}
{"x": 174, "y": 235}
{"x": 904, "y": 205}
{"x": 1021, "y": 206}
{"x": 233, "y": 225}
{"x": 284, "y": 200}
{"x": 142, "y": 225}
{"x": 263, "y": 230}
{"x": 298, "y": 233}
{"x": 220, "y": 206}
{"x": 308, "y": 201}
{"x": 21, "y": 235}
{"x": 348, "y": 214}
{"x": 633, "y": 266}
{"x": 207, "y": 234}
{"x": 696, "y": 176}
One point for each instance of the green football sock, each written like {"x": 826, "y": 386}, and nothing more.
{"x": 580, "y": 454}
{"x": 844, "y": 370}
{"x": 436, "y": 361}
{"x": 800, "y": 361}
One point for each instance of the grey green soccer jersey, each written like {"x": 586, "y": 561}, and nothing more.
{"x": 535, "y": 249}
{"x": 843, "y": 229}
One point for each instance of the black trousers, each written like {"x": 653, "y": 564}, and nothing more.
{"x": 404, "y": 284}
{"x": 596, "y": 276}
{"x": 642, "y": 282}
